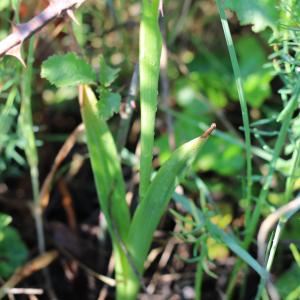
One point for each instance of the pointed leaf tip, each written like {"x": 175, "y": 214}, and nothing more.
{"x": 209, "y": 131}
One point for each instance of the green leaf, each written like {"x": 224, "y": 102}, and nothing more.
{"x": 105, "y": 163}
{"x": 67, "y": 70}
{"x": 109, "y": 103}
{"x": 151, "y": 209}
{"x": 107, "y": 74}
{"x": 13, "y": 251}
{"x": 108, "y": 177}
{"x": 259, "y": 13}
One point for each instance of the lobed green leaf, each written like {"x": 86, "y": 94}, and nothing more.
{"x": 67, "y": 70}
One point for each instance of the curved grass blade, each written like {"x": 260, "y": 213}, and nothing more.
{"x": 151, "y": 209}
{"x": 109, "y": 181}
{"x": 105, "y": 163}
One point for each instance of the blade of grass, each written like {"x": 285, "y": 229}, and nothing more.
{"x": 149, "y": 211}
{"x": 105, "y": 162}
{"x": 149, "y": 61}
{"x": 108, "y": 180}
{"x": 243, "y": 104}
{"x": 27, "y": 131}
{"x": 26, "y": 128}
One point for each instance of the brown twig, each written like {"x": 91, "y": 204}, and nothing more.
{"x": 269, "y": 222}
{"x": 209, "y": 131}
{"x": 25, "y": 291}
{"x": 11, "y": 45}
{"x": 63, "y": 152}
{"x": 31, "y": 267}
{"x": 105, "y": 279}
{"x": 67, "y": 202}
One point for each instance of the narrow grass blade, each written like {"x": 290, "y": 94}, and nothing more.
{"x": 151, "y": 209}
{"x": 25, "y": 127}
{"x": 243, "y": 104}
{"x": 109, "y": 182}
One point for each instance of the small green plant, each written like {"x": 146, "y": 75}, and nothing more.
{"x": 131, "y": 236}
{"x": 200, "y": 95}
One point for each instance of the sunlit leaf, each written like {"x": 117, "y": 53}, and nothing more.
{"x": 109, "y": 103}
{"x": 67, "y": 69}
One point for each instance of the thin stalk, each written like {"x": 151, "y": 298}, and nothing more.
{"x": 149, "y": 61}
{"x": 243, "y": 104}
{"x": 26, "y": 127}
{"x": 27, "y": 131}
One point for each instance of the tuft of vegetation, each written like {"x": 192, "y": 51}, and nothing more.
{"x": 187, "y": 133}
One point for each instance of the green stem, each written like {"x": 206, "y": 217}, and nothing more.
{"x": 149, "y": 61}
{"x": 243, "y": 104}
{"x": 26, "y": 127}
